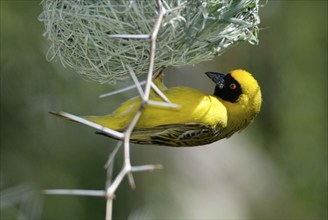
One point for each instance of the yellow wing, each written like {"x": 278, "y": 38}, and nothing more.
{"x": 196, "y": 107}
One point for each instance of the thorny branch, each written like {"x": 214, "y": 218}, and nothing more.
{"x": 127, "y": 168}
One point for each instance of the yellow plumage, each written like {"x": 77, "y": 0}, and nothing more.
{"x": 200, "y": 119}
{"x": 201, "y": 108}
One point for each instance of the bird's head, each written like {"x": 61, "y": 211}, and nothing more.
{"x": 238, "y": 87}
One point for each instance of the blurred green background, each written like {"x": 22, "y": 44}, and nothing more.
{"x": 275, "y": 169}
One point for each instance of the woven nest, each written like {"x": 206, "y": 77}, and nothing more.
{"x": 79, "y": 31}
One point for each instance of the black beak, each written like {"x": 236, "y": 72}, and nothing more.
{"x": 217, "y": 78}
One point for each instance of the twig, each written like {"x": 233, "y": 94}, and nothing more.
{"x": 109, "y": 209}
{"x": 81, "y": 120}
{"x": 130, "y": 36}
{"x": 156, "y": 74}
{"x": 75, "y": 192}
{"x": 152, "y": 40}
{"x": 111, "y": 157}
{"x": 121, "y": 90}
{"x": 127, "y": 167}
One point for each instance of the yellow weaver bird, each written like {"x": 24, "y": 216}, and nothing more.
{"x": 201, "y": 118}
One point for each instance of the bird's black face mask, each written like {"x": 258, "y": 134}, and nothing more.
{"x": 227, "y": 88}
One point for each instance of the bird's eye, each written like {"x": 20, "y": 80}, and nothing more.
{"x": 233, "y": 86}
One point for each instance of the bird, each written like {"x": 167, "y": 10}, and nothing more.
{"x": 200, "y": 119}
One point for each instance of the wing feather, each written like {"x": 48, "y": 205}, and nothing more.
{"x": 189, "y": 134}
